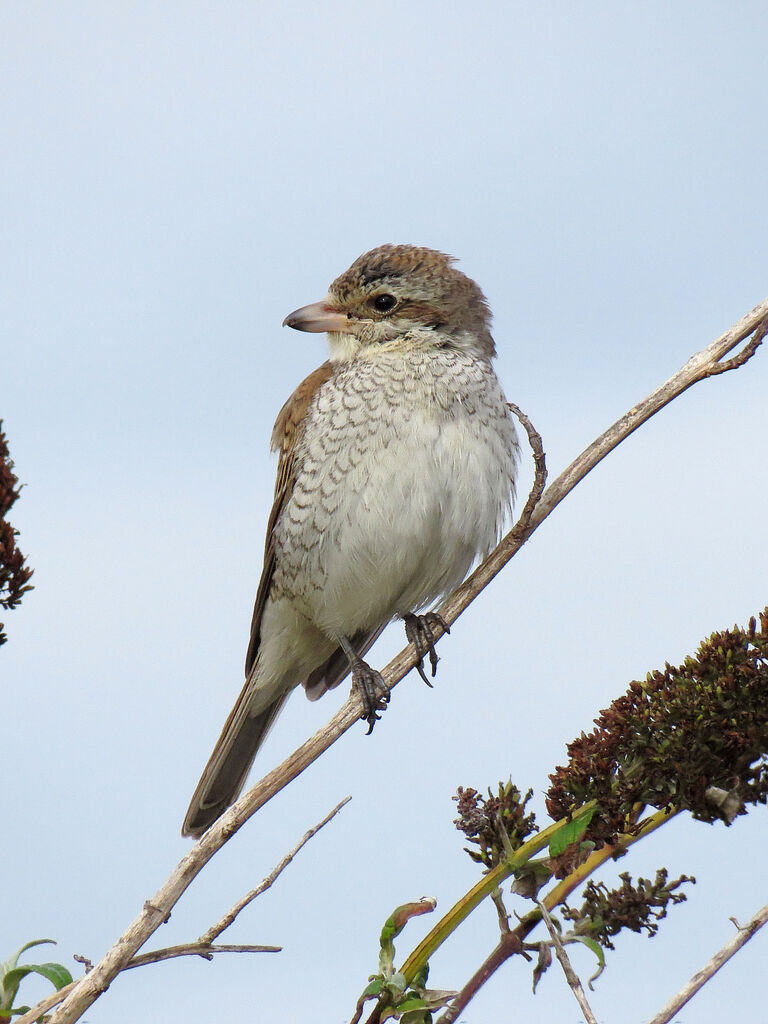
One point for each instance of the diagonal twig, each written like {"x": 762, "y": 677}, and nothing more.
{"x": 570, "y": 975}
{"x": 743, "y": 935}
{"x": 213, "y": 933}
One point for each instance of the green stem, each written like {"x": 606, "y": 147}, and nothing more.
{"x": 566, "y": 886}
{"x": 461, "y": 910}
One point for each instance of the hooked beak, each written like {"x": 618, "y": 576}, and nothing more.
{"x": 318, "y": 316}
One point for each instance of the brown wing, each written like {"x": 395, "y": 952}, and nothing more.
{"x": 285, "y": 438}
{"x": 244, "y": 732}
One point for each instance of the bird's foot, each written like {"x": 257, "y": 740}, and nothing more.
{"x": 374, "y": 692}
{"x": 419, "y": 631}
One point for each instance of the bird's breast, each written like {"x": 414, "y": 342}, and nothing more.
{"x": 405, "y": 476}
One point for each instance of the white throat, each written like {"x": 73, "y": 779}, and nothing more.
{"x": 343, "y": 347}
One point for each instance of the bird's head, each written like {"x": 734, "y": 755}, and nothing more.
{"x": 399, "y": 295}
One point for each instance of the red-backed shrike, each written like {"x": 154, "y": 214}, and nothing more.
{"x": 396, "y": 472}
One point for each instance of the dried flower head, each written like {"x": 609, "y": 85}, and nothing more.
{"x": 14, "y": 574}
{"x": 640, "y": 907}
{"x": 494, "y": 823}
{"x": 677, "y": 738}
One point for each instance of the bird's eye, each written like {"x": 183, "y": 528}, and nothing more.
{"x": 383, "y": 303}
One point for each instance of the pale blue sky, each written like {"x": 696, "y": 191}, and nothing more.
{"x": 175, "y": 179}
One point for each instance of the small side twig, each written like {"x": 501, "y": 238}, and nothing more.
{"x": 744, "y": 934}
{"x": 203, "y": 949}
{"x": 540, "y": 469}
{"x": 741, "y": 357}
{"x": 498, "y": 900}
{"x": 213, "y": 932}
{"x": 570, "y": 975}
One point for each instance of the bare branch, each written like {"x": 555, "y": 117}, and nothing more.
{"x": 203, "y": 949}
{"x": 157, "y": 910}
{"x": 711, "y": 968}
{"x": 571, "y": 976}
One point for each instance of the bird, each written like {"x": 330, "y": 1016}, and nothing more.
{"x": 397, "y": 460}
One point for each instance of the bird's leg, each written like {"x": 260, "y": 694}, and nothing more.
{"x": 369, "y": 683}
{"x": 418, "y": 630}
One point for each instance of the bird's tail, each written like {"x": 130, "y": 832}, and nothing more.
{"x": 248, "y": 724}
{"x": 229, "y": 763}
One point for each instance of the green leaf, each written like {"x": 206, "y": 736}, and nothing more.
{"x": 571, "y": 832}
{"x": 597, "y": 949}
{"x": 420, "y": 977}
{"x": 394, "y": 924}
{"x": 35, "y": 942}
{"x": 412, "y": 1003}
{"x": 12, "y": 978}
{"x": 57, "y": 974}
{"x": 11, "y": 962}
{"x": 9, "y": 980}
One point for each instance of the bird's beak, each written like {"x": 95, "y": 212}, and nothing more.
{"x": 318, "y": 316}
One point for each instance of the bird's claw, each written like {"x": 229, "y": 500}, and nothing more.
{"x": 374, "y": 692}
{"x": 418, "y": 630}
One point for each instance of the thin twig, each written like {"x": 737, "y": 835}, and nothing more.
{"x": 498, "y": 901}
{"x": 156, "y": 911}
{"x": 570, "y": 975}
{"x": 741, "y": 357}
{"x": 711, "y": 968}
{"x": 228, "y": 918}
{"x": 199, "y": 948}
{"x": 540, "y": 467}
